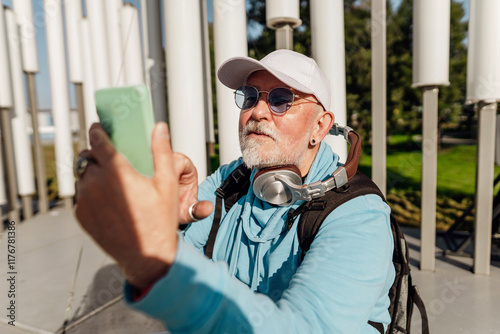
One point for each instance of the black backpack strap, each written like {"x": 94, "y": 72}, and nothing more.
{"x": 209, "y": 247}
{"x": 231, "y": 190}
{"x": 315, "y": 211}
{"x": 377, "y": 325}
{"x": 415, "y": 296}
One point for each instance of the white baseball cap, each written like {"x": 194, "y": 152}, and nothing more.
{"x": 292, "y": 68}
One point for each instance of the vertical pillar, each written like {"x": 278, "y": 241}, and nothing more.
{"x": 484, "y": 187}
{"x": 99, "y": 40}
{"x": 25, "y": 20}
{"x": 73, "y": 14}
{"x": 60, "y": 100}
{"x": 131, "y": 41}
{"x": 153, "y": 57}
{"x": 21, "y": 140}
{"x": 429, "y": 178}
{"x": 8, "y": 158}
{"x": 88, "y": 75}
{"x": 185, "y": 77}
{"x": 431, "y": 39}
{"x": 112, "y": 9}
{"x": 284, "y": 37}
{"x": 379, "y": 93}
{"x": 8, "y": 179}
{"x": 483, "y": 77}
{"x": 230, "y": 39}
{"x": 207, "y": 94}
{"x": 283, "y": 16}
{"x": 41, "y": 182}
{"x": 328, "y": 49}
{"x": 80, "y": 103}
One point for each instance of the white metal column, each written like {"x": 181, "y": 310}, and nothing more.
{"x": 25, "y": 21}
{"x": 483, "y": 77}
{"x": 153, "y": 57}
{"x": 328, "y": 49}
{"x": 88, "y": 75}
{"x": 131, "y": 41}
{"x": 484, "y": 187}
{"x": 99, "y": 40}
{"x": 283, "y": 16}
{"x": 9, "y": 178}
{"x": 431, "y": 39}
{"x": 112, "y": 9}
{"x": 429, "y": 179}
{"x": 230, "y": 38}
{"x": 73, "y": 15}
{"x": 207, "y": 96}
{"x": 185, "y": 80}
{"x": 22, "y": 143}
{"x": 60, "y": 100}
{"x": 379, "y": 93}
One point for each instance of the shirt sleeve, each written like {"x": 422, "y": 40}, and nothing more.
{"x": 335, "y": 289}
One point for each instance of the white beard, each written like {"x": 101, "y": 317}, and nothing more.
{"x": 262, "y": 153}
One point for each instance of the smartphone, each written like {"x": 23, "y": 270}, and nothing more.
{"x": 126, "y": 114}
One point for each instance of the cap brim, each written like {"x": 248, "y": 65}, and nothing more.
{"x": 233, "y": 73}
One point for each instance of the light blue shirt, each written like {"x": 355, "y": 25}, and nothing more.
{"x": 257, "y": 282}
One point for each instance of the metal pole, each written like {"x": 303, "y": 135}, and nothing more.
{"x": 64, "y": 148}
{"x": 284, "y": 37}
{"x": 379, "y": 93}
{"x": 185, "y": 75}
{"x": 429, "y": 178}
{"x": 154, "y": 57}
{"x": 484, "y": 187}
{"x": 230, "y": 40}
{"x": 22, "y": 144}
{"x": 9, "y": 160}
{"x": 328, "y": 49}
{"x": 207, "y": 93}
{"x": 82, "y": 133}
{"x": 43, "y": 201}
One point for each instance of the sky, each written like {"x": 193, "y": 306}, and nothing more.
{"x": 42, "y": 78}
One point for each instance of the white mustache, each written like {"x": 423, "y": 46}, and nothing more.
{"x": 253, "y": 126}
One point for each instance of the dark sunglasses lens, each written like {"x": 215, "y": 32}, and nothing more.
{"x": 280, "y": 99}
{"x": 246, "y": 96}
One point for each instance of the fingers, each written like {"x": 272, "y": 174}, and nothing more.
{"x": 102, "y": 147}
{"x": 202, "y": 209}
{"x": 185, "y": 169}
{"x": 162, "y": 151}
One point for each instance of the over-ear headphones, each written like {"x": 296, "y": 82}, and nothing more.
{"x": 283, "y": 185}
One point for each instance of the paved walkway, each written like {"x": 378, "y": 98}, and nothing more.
{"x": 49, "y": 246}
{"x": 48, "y": 249}
{"x": 457, "y": 300}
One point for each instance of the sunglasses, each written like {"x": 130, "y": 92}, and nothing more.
{"x": 279, "y": 99}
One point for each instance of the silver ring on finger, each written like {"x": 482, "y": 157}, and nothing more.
{"x": 81, "y": 164}
{"x": 190, "y": 211}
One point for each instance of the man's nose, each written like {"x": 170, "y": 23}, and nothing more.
{"x": 261, "y": 109}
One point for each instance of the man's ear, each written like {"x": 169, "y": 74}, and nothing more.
{"x": 324, "y": 123}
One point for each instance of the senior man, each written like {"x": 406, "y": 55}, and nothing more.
{"x": 257, "y": 280}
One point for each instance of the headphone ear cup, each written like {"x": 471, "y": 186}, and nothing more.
{"x": 267, "y": 188}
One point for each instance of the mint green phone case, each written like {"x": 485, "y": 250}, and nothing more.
{"x": 126, "y": 113}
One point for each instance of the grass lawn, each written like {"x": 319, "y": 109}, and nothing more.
{"x": 456, "y": 179}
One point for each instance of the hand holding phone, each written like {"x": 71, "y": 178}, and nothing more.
{"x": 126, "y": 114}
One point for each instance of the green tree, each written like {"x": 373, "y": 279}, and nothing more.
{"x": 404, "y": 111}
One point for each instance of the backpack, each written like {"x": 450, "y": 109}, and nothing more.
{"x": 402, "y": 294}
